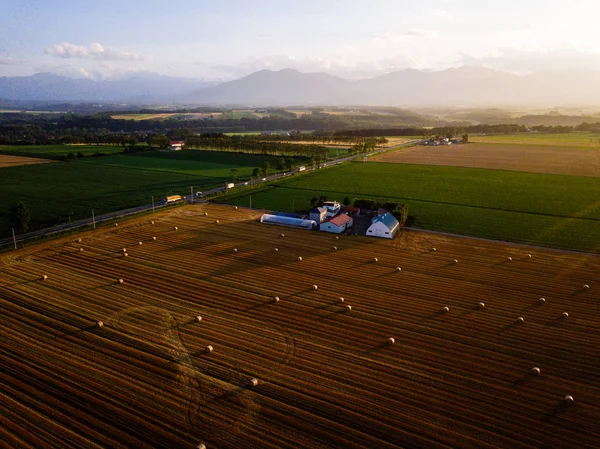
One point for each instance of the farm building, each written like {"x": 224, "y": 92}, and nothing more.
{"x": 288, "y": 221}
{"x": 318, "y": 214}
{"x": 332, "y": 207}
{"x": 337, "y": 224}
{"x": 177, "y": 145}
{"x": 352, "y": 211}
{"x": 385, "y": 226}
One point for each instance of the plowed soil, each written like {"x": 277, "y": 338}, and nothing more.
{"x": 327, "y": 376}
{"x": 527, "y": 158}
{"x": 15, "y": 161}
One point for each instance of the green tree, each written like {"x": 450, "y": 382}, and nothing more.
{"x": 265, "y": 168}
{"x": 280, "y": 163}
{"x": 313, "y": 202}
{"x": 289, "y": 163}
{"x": 346, "y": 201}
{"x": 465, "y": 138}
{"x": 322, "y": 199}
{"x": 20, "y": 216}
{"x": 256, "y": 172}
{"x": 234, "y": 173}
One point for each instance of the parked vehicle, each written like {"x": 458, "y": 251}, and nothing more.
{"x": 229, "y": 185}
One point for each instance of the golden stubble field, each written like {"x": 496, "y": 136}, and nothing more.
{"x": 15, "y": 161}
{"x": 327, "y": 376}
{"x": 527, "y": 158}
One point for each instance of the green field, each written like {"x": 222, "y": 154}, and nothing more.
{"x": 548, "y": 210}
{"x": 575, "y": 139}
{"x": 55, "y": 151}
{"x": 61, "y": 191}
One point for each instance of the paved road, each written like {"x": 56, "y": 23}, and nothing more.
{"x": 207, "y": 193}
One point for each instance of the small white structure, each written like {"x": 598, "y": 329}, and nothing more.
{"x": 535, "y": 371}
{"x": 177, "y": 145}
{"x": 332, "y": 208}
{"x": 318, "y": 214}
{"x": 338, "y": 224}
{"x": 253, "y": 382}
{"x": 391, "y": 340}
{"x": 385, "y": 226}
{"x": 288, "y": 221}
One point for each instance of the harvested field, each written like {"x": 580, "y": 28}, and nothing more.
{"x": 327, "y": 376}
{"x": 15, "y": 161}
{"x": 527, "y": 158}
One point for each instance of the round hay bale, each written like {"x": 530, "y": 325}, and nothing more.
{"x": 206, "y": 214}
{"x": 235, "y": 250}
{"x": 300, "y": 258}
{"x": 198, "y": 318}
{"x": 481, "y": 305}
{"x": 335, "y": 248}
{"x": 175, "y": 228}
{"x": 529, "y": 256}
{"x": 433, "y": 250}
{"x": 542, "y": 300}
{"x": 99, "y": 323}
{"x": 315, "y": 287}
{"x": 124, "y": 250}
{"x": 391, "y": 340}
{"x": 121, "y": 281}
{"x": 520, "y": 320}
{"x": 154, "y": 238}
{"x": 80, "y": 250}
{"x": 275, "y": 298}
{"x": 253, "y": 382}
{"x": 569, "y": 399}
{"x": 209, "y": 348}
{"x": 336, "y": 237}
{"x": 140, "y": 243}
{"x": 201, "y": 446}
{"x": 565, "y": 315}
{"x": 455, "y": 261}
{"x": 348, "y": 308}
{"x": 509, "y": 259}
{"x": 535, "y": 371}
{"x": 116, "y": 225}
{"x": 44, "y": 277}
{"x": 276, "y": 250}
{"x": 125, "y": 254}
{"x": 151, "y": 222}
{"x": 235, "y": 207}
{"x": 446, "y": 309}
{"x": 79, "y": 240}
{"x": 216, "y": 221}
{"x": 282, "y": 234}
{"x": 341, "y": 299}
{"x": 375, "y": 259}
{"x": 586, "y": 287}
{"x": 398, "y": 269}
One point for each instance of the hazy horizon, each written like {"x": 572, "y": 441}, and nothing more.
{"x": 220, "y": 41}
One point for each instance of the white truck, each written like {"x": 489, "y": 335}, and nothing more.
{"x": 229, "y": 185}
{"x": 301, "y": 168}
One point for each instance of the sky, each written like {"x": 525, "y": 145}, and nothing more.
{"x": 220, "y": 40}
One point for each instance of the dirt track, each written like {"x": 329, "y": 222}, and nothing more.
{"x": 15, "y": 161}
{"x": 327, "y": 377}
{"x": 528, "y": 158}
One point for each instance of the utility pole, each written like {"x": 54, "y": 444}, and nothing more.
{"x": 153, "y": 204}
{"x": 294, "y": 206}
{"x": 192, "y": 194}
{"x": 250, "y": 201}
{"x": 14, "y": 238}
{"x": 93, "y": 219}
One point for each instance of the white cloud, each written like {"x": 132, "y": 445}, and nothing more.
{"x": 524, "y": 61}
{"x": 443, "y": 14}
{"x": 94, "y": 51}
{"x": 397, "y": 38}
{"x": 7, "y": 60}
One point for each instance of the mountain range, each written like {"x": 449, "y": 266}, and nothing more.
{"x": 463, "y": 86}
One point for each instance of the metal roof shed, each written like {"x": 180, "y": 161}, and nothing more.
{"x": 385, "y": 226}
